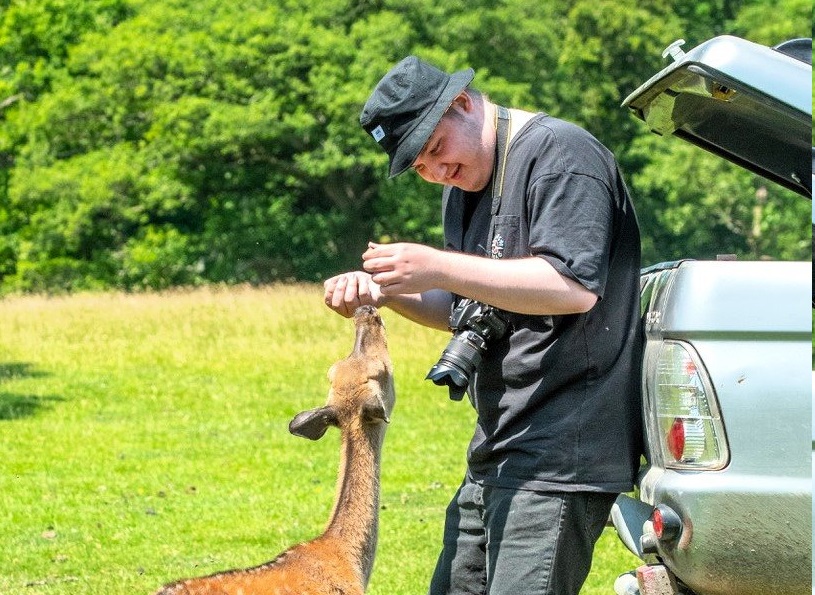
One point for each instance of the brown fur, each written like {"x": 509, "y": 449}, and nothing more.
{"x": 338, "y": 562}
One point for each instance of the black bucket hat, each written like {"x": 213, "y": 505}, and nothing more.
{"x": 406, "y": 105}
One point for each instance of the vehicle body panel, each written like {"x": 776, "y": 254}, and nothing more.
{"x": 747, "y": 527}
{"x": 745, "y": 522}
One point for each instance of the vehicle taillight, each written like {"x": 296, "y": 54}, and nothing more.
{"x": 689, "y": 425}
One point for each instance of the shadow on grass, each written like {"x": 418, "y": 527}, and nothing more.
{"x": 15, "y": 406}
{"x": 17, "y": 370}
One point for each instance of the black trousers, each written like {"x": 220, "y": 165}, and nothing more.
{"x": 500, "y": 541}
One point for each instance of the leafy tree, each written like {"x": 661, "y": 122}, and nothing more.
{"x": 147, "y": 144}
{"x": 35, "y": 38}
{"x": 770, "y": 22}
{"x": 694, "y": 205}
{"x": 611, "y": 47}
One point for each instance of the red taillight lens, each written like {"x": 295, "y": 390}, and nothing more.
{"x": 686, "y": 439}
{"x": 666, "y": 523}
{"x": 676, "y": 439}
{"x": 658, "y": 523}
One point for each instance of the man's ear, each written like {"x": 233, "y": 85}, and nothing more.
{"x": 312, "y": 424}
{"x": 463, "y": 102}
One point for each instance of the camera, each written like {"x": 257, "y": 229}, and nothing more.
{"x": 474, "y": 325}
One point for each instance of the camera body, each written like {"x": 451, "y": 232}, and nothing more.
{"x": 474, "y": 326}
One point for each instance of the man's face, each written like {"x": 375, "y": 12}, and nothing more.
{"x": 456, "y": 153}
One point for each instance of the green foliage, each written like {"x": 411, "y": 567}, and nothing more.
{"x": 613, "y": 46}
{"x": 157, "y": 257}
{"x": 35, "y": 37}
{"x": 150, "y": 144}
{"x": 772, "y": 21}
{"x": 695, "y": 205}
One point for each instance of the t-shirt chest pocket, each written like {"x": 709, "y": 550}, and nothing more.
{"x": 506, "y": 239}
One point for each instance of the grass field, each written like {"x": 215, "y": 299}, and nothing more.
{"x": 144, "y": 438}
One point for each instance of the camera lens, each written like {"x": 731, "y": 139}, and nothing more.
{"x": 457, "y": 363}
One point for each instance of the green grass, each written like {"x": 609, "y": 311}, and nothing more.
{"x": 144, "y": 438}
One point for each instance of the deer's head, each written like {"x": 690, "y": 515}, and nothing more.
{"x": 361, "y": 384}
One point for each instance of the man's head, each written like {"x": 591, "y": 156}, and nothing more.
{"x": 418, "y": 114}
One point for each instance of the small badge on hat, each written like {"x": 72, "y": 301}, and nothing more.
{"x": 378, "y": 133}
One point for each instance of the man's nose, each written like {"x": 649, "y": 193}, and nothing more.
{"x": 433, "y": 172}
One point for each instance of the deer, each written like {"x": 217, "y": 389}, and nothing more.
{"x": 340, "y": 560}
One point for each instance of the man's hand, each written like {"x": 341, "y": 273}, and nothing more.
{"x": 346, "y": 292}
{"x": 403, "y": 268}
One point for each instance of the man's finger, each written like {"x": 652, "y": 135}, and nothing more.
{"x": 351, "y": 296}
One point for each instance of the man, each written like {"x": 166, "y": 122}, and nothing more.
{"x": 538, "y": 223}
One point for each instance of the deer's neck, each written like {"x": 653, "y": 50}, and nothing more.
{"x": 355, "y": 518}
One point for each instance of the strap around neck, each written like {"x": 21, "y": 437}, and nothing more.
{"x": 501, "y": 148}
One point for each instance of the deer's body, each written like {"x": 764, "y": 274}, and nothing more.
{"x": 338, "y": 562}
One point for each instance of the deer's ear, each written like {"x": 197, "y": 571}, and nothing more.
{"x": 374, "y": 412}
{"x": 312, "y": 424}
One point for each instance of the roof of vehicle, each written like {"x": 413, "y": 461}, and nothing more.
{"x": 743, "y": 101}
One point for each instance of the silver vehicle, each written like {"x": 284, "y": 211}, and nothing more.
{"x": 724, "y": 502}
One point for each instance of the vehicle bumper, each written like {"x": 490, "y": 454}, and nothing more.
{"x": 718, "y": 552}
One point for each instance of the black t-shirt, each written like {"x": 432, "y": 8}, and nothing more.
{"x": 558, "y": 398}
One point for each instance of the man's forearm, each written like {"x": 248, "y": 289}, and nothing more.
{"x": 431, "y": 308}
{"x": 524, "y": 285}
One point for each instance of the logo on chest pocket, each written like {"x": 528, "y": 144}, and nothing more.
{"x": 497, "y": 247}
{"x": 506, "y": 236}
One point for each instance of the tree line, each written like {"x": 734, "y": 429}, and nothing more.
{"x": 148, "y": 144}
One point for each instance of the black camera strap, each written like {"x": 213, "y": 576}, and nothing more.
{"x": 502, "y": 130}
